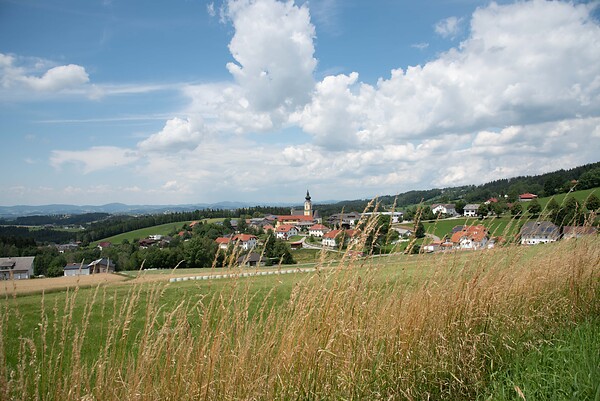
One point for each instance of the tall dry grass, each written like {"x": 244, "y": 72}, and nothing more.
{"x": 352, "y": 332}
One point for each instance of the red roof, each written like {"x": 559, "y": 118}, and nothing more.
{"x": 334, "y": 233}
{"x": 493, "y": 200}
{"x": 318, "y": 227}
{"x": 284, "y": 228}
{"x": 476, "y": 233}
{"x": 268, "y": 227}
{"x": 295, "y": 218}
{"x": 193, "y": 223}
{"x": 527, "y": 196}
{"x": 243, "y": 237}
{"x": 223, "y": 240}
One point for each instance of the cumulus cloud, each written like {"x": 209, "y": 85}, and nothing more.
{"x": 177, "y": 134}
{"x": 524, "y": 63}
{"x": 273, "y": 49}
{"x": 95, "y": 158}
{"x": 56, "y": 79}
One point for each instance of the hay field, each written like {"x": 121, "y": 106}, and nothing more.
{"x": 10, "y": 287}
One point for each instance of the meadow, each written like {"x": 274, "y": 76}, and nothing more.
{"x": 509, "y": 323}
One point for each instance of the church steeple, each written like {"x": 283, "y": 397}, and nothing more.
{"x": 308, "y": 205}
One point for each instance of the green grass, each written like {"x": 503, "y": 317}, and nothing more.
{"x": 565, "y": 366}
{"x": 581, "y": 196}
{"x": 461, "y": 325}
{"x": 504, "y": 226}
{"x": 162, "y": 229}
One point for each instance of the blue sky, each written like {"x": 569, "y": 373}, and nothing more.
{"x": 256, "y": 100}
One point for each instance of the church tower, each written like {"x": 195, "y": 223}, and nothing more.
{"x": 308, "y": 205}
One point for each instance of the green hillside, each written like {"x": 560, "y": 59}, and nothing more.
{"x": 162, "y": 229}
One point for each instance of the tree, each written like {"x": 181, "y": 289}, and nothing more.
{"x": 516, "y": 209}
{"x": 482, "y": 210}
{"x": 499, "y": 207}
{"x": 420, "y": 230}
{"x": 460, "y": 207}
{"x": 592, "y": 203}
{"x": 242, "y": 226}
{"x": 570, "y": 213}
{"x": 200, "y": 252}
{"x": 534, "y": 208}
{"x": 589, "y": 179}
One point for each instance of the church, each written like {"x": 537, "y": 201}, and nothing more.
{"x": 301, "y": 218}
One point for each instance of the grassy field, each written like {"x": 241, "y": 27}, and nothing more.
{"x": 488, "y": 325}
{"x": 162, "y": 229}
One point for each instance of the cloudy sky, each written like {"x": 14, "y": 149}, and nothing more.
{"x": 192, "y": 101}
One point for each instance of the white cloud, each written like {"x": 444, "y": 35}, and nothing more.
{"x": 55, "y": 79}
{"x": 95, "y": 158}
{"x": 449, "y": 27}
{"x": 177, "y": 134}
{"x": 273, "y": 49}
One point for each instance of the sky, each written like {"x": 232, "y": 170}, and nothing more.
{"x": 187, "y": 101}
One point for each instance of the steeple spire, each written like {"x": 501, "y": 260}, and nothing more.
{"x": 307, "y": 195}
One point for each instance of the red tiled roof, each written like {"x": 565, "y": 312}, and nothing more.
{"x": 295, "y": 218}
{"x": 223, "y": 240}
{"x": 476, "y": 233}
{"x": 332, "y": 234}
{"x": 527, "y": 196}
{"x": 284, "y": 228}
{"x": 268, "y": 227}
{"x": 318, "y": 227}
{"x": 243, "y": 237}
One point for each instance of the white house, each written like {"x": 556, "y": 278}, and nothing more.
{"x": 445, "y": 208}
{"x": 470, "y": 210}
{"x": 318, "y": 230}
{"x": 539, "y": 232}
{"x": 329, "y": 239}
{"x": 245, "y": 241}
{"x": 17, "y": 268}
{"x": 285, "y": 231}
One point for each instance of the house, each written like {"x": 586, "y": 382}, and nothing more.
{"x": 268, "y": 227}
{"x": 102, "y": 265}
{"x": 297, "y": 221}
{"x": 444, "y": 208}
{"x": 491, "y": 200}
{"x": 344, "y": 220}
{"x": 433, "y": 247}
{"x": 395, "y": 217}
{"x": 539, "y": 232}
{"x": 403, "y": 232}
{"x": 285, "y": 231}
{"x": 245, "y": 241}
{"x": 104, "y": 244}
{"x": 223, "y": 242}
{"x": 146, "y": 243}
{"x": 67, "y": 247}
{"x": 470, "y": 237}
{"x": 76, "y": 269}
{"x": 252, "y": 259}
{"x": 527, "y": 197}
{"x": 578, "y": 231}
{"x": 330, "y": 238}
{"x": 470, "y": 210}
{"x": 155, "y": 237}
{"x": 16, "y": 268}
{"x": 318, "y": 230}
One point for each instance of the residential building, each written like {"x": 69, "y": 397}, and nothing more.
{"x": 578, "y": 231}
{"x": 444, "y": 208}
{"x": 539, "y": 232}
{"x": 395, "y": 217}
{"x": 252, "y": 259}
{"x": 344, "y": 220}
{"x": 245, "y": 241}
{"x": 285, "y": 231}
{"x": 330, "y": 238}
{"x": 16, "y": 268}
{"x": 102, "y": 265}
{"x": 318, "y": 230}
{"x": 223, "y": 242}
{"x": 527, "y": 197}
{"x": 470, "y": 210}
{"x": 470, "y": 237}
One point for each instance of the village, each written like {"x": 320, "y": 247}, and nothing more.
{"x": 306, "y": 229}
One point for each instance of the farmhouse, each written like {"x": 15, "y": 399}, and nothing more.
{"x": 470, "y": 210}
{"x": 285, "y": 231}
{"x": 17, "y": 268}
{"x": 344, "y": 220}
{"x": 539, "y": 232}
{"x": 103, "y": 265}
{"x": 318, "y": 230}
{"x": 330, "y": 239}
{"x": 527, "y": 197}
{"x": 470, "y": 237}
{"x": 444, "y": 208}
{"x": 578, "y": 231}
{"x": 245, "y": 241}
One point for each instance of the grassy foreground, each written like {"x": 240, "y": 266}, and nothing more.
{"x": 515, "y": 323}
